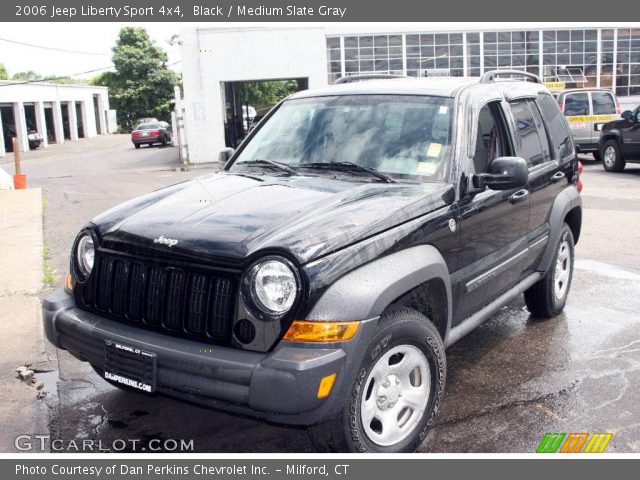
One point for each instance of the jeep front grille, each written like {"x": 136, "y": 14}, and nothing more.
{"x": 181, "y": 300}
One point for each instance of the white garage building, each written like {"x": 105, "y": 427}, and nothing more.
{"x": 58, "y": 112}
{"x": 217, "y": 59}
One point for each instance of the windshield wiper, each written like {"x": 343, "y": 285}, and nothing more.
{"x": 278, "y": 165}
{"x": 349, "y": 166}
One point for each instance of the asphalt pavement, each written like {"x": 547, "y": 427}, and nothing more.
{"x": 508, "y": 382}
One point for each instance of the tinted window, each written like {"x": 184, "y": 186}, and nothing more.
{"x": 561, "y": 143}
{"x": 148, "y": 126}
{"x": 527, "y": 135}
{"x": 603, "y": 103}
{"x": 489, "y": 144}
{"x": 576, "y": 104}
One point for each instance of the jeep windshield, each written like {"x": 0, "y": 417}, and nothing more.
{"x": 401, "y": 137}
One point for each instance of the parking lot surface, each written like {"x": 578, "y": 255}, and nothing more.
{"x": 508, "y": 382}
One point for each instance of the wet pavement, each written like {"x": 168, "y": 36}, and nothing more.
{"x": 509, "y": 381}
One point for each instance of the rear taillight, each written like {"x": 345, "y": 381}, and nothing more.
{"x": 618, "y": 107}
{"x": 135, "y": 135}
{"x": 154, "y": 133}
{"x": 580, "y": 169}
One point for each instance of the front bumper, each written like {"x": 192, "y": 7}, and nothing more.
{"x": 279, "y": 386}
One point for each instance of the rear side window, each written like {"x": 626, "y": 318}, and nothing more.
{"x": 603, "y": 103}
{"x": 560, "y": 136}
{"x": 576, "y": 104}
{"x": 530, "y": 136}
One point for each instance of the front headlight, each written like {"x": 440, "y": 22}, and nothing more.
{"x": 272, "y": 286}
{"x": 85, "y": 254}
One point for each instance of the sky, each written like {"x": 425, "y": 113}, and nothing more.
{"x": 96, "y": 38}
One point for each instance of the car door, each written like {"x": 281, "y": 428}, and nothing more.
{"x": 493, "y": 223}
{"x": 547, "y": 175}
{"x": 577, "y": 109}
{"x": 631, "y": 137}
{"x": 604, "y": 107}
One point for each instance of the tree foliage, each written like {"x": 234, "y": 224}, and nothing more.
{"x": 3, "y": 72}
{"x": 142, "y": 84}
{"x": 266, "y": 93}
{"x": 29, "y": 76}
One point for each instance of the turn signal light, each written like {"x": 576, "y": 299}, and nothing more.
{"x": 326, "y": 384}
{"x": 306, "y": 331}
{"x": 68, "y": 282}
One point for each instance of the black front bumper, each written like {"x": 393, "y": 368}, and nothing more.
{"x": 279, "y": 386}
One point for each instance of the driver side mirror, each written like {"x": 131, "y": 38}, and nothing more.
{"x": 225, "y": 155}
{"x": 505, "y": 173}
{"x": 627, "y": 115}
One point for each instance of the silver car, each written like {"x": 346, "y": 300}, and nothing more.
{"x": 587, "y": 109}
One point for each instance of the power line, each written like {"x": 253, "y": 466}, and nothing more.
{"x": 49, "y": 79}
{"x": 51, "y": 48}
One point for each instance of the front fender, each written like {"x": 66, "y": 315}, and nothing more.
{"x": 368, "y": 290}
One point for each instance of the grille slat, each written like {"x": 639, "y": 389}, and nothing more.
{"x": 183, "y": 301}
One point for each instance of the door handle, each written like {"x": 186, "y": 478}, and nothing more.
{"x": 519, "y": 196}
{"x": 557, "y": 177}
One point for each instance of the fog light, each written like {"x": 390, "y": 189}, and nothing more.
{"x": 326, "y": 384}
{"x": 68, "y": 282}
{"x": 306, "y": 331}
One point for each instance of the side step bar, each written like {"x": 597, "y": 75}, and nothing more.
{"x": 468, "y": 324}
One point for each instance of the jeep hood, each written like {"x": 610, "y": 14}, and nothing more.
{"x": 232, "y": 216}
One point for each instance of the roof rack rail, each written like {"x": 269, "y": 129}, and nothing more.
{"x": 371, "y": 76}
{"x": 494, "y": 75}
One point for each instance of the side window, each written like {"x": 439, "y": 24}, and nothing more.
{"x": 576, "y": 104}
{"x": 532, "y": 146}
{"x": 561, "y": 141}
{"x": 603, "y": 103}
{"x": 490, "y": 142}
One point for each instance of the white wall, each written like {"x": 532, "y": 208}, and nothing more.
{"x": 211, "y": 56}
{"x": 40, "y": 93}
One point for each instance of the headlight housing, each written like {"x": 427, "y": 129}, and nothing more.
{"x": 270, "y": 287}
{"x": 85, "y": 254}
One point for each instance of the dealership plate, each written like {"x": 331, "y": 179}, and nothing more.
{"x": 130, "y": 366}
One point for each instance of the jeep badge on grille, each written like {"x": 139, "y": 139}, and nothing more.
{"x": 162, "y": 240}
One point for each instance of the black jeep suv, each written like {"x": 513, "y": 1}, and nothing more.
{"x": 317, "y": 280}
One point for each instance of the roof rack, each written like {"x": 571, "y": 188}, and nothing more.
{"x": 372, "y": 76}
{"x": 494, "y": 75}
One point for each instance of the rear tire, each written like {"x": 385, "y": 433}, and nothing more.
{"x": 393, "y": 400}
{"x": 612, "y": 159}
{"x": 548, "y": 296}
{"x": 137, "y": 145}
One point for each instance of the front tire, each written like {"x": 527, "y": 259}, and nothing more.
{"x": 612, "y": 159}
{"x": 393, "y": 401}
{"x": 548, "y": 296}
{"x": 596, "y": 156}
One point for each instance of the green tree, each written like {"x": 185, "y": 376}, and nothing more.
{"x": 142, "y": 84}
{"x": 266, "y": 93}
{"x": 29, "y": 76}
{"x": 3, "y": 72}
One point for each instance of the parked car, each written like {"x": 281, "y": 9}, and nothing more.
{"x": 619, "y": 142}
{"x": 248, "y": 116}
{"x": 33, "y": 137}
{"x": 587, "y": 110}
{"x": 152, "y": 133}
{"x": 319, "y": 277}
